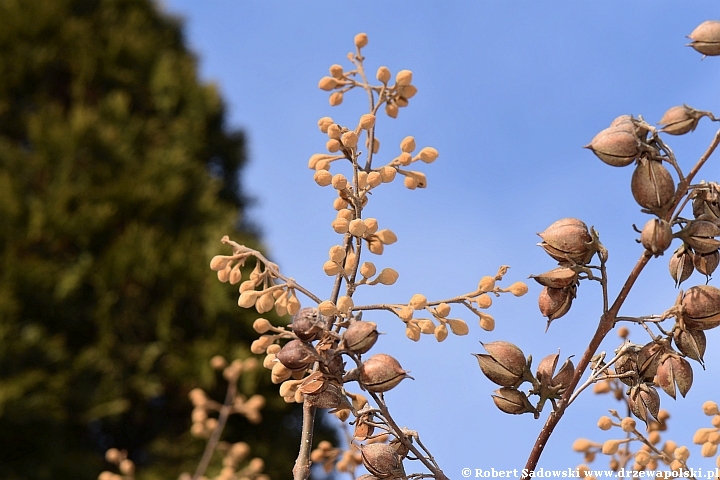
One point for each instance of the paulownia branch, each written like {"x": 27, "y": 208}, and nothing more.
{"x": 607, "y": 321}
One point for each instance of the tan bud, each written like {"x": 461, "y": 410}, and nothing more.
{"x": 340, "y": 203}
{"x": 331, "y": 268}
{"x": 334, "y": 131}
{"x": 336, "y": 253}
{"x": 349, "y": 139}
{"x": 387, "y": 174}
{"x": 518, "y": 289}
{"x": 403, "y": 78}
{"x": 367, "y": 121}
{"x": 345, "y": 304}
{"x": 335, "y": 99}
{"x": 386, "y": 236}
{"x": 442, "y": 310}
{"x": 383, "y": 74}
{"x": 582, "y": 445}
{"x": 265, "y": 303}
{"x": 710, "y": 408}
{"x": 387, "y": 276}
{"x": 327, "y": 83}
{"x": 324, "y": 123}
{"x": 247, "y": 298}
{"x": 610, "y": 447}
{"x": 428, "y": 154}
{"x": 458, "y": 326}
{"x": 367, "y": 269}
{"x": 374, "y": 179}
{"x": 261, "y": 325}
{"x": 487, "y": 322}
{"x": 441, "y": 332}
{"x": 327, "y": 308}
{"x": 484, "y": 300}
{"x": 391, "y": 109}
{"x": 332, "y": 146}
{"x": 412, "y": 331}
{"x": 410, "y": 182}
{"x": 361, "y": 40}
{"x": 405, "y": 313}
{"x": 279, "y": 373}
{"x": 323, "y": 178}
{"x": 376, "y": 144}
{"x": 418, "y": 302}
{"x": 340, "y": 225}
{"x": 407, "y": 144}
{"x": 605, "y": 423}
{"x": 337, "y": 72}
{"x": 357, "y": 227}
{"x": 339, "y": 182}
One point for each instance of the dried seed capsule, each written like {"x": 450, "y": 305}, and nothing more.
{"x": 360, "y": 336}
{"x": 504, "y": 364}
{"x": 296, "y": 355}
{"x": 656, "y": 236}
{"x": 706, "y": 38}
{"x": 330, "y": 396}
{"x": 560, "y": 277}
{"x": 706, "y": 201}
{"x": 615, "y": 146}
{"x": 652, "y": 185}
{"x": 568, "y": 238}
{"x": 701, "y": 307}
{"x": 691, "y": 343}
{"x": 649, "y": 357}
{"x": 381, "y": 373}
{"x": 308, "y": 324}
{"x": 512, "y": 401}
{"x": 680, "y": 120}
{"x": 546, "y": 371}
{"x": 706, "y": 263}
{"x": 381, "y": 460}
{"x": 681, "y": 265}
{"x": 675, "y": 371}
{"x": 644, "y": 402}
{"x": 625, "y": 364}
{"x": 699, "y": 234}
{"x": 555, "y": 302}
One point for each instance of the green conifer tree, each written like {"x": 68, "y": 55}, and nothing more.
{"x": 118, "y": 177}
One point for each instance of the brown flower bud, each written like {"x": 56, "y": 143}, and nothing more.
{"x": 381, "y": 373}
{"x": 555, "y": 302}
{"x": 296, "y": 355}
{"x": 381, "y": 460}
{"x": 691, "y": 343}
{"x": 706, "y": 38}
{"x": 701, "y": 307}
{"x": 361, "y": 40}
{"x": 681, "y": 265}
{"x": 308, "y": 324}
{"x": 644, "y": 402}
{"x": 656, "y": 236}
{"x": 652, "y": 186}
{"x": 512, "y": 401}
{"x": 700, "y": 235}
{"x": 546, "y": 371}
{"x": 675, "y": 370}
{"x": 706, "y": 263}
{"x": 568, "y": 239}
{"x": 560, "y": 277}
{"x": 615, "y": 146}
{"x": 360, "y": 336}
{"x": 680, "y": 120}
{"x": 504, "y": 364}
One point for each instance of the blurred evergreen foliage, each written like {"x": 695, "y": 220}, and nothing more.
{"x": 118, "y": 177}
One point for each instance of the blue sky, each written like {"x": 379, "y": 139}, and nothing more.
{"x": 509, "y": 92}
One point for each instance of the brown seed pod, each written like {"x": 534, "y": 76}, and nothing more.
{"x": 675, "y": 371}
{"x": 706, "y": 263}
{"x": 381, "y": 460}
{"x": 691, "y": 343}
{"x": 706, "y": 201}
{"x": 308, "y": 324}
{"x": 381, "y": 373}
{"x": 296, "y": 355}
{"x": 625, "y": 364}
{"x": 560, "y": 277}
{"x": 360, "y": 336}
{"x": 701, "y": 307}
{"x": 680, "y": 120}
{"x": 644, "y": 402}
{"x": 615, "y": 146}
{"x": 504, "y": 364}
{"x": 706, "y": 38}
{"x": 568, "y": 239}
{"x": 656, "y": 236}
{"x": 648, "y": 359}
{"x": 330, "y": 396}
{"x": 700, "y": 235}
{"x": 652, "y": 186}
{"x": 681, "y": 265}
{"x": 512, "y": 401}
{"x": 555, "y": 302}
{"x": 546, "y": 371}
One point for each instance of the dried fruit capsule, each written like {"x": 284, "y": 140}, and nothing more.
{"x": 381, "y": 460}
{"x": 512, "y": 401}
{"x": 504, "y": 364}
{"x": 308, "y": 324}
{"x": 296, "y": 355}
{"x": 644, "y": 402}
{"x": 706, "y": 38}
{"x": 568, "y": 239}
{"x": 701, "y": 307}
{"x": 381, "y": 373}
{"x": 615, "y": 146}
{"x": 546, "y": 371}
{"x": 680, "y": 120}
{"x": 681, "y": 265}
{"x": 652, "y": 185}
{"x": 691, "y": 343}
{"x": 656, "y": 236}
{"x": 555, "y": 302}
{"x": 560, "y": 277}
{"x": 674, "y": 372}
{"x": 360, "y": 336}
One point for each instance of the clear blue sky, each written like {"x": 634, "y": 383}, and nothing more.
{"x": 509, "y": 92}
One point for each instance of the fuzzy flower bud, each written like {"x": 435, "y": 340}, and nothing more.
{"x": 403, "y": 77}
{"x": 383, "y": 74}
{"x": 361, "y": 40}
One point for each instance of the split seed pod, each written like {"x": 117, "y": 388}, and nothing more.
{"x": 680, "y": 120}
{"x": 706, "y": 38}
{"x": 555, "y": 302}
{"x": 546, "y": 371}
{"x": 512, "y": 401}
{"x": 568, "y": 239}
{"x": 644, "y": 402}
{"x": 381, "y": 373}
{"x": 681, "y": 265}
{"x": 701, "y": 307}
{"x": 360, "y": 336}
{"x": 308, "y": 324}
{"x": 700, "y": 235}
{"x": 560, "y": 277}
{"x": 652, "y": 185}
{"x": 706, "y": 263}
{"x": 504, "y": 364}
{"x": 675, "y": 371}
{"x": 691, "y": 343}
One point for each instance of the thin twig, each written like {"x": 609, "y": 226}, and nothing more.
{"x": 217, "y": 431}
